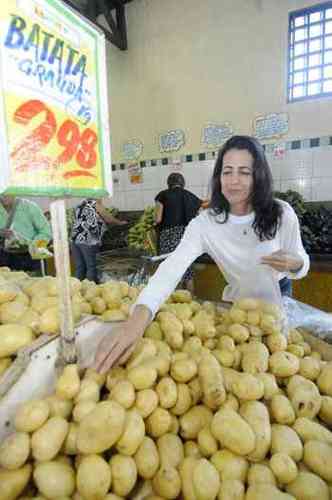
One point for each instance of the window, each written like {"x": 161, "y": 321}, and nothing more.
{"x": 310, "y": 53}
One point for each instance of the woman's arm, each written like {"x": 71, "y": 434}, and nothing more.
{"x": 158, "y": 212}
{"x": 110, "y": 219}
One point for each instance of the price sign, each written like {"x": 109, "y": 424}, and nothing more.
{"x": 54, "y": 129}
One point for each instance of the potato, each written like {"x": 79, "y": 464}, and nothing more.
{"x": 255, "y": 358}
{"x": 239, "y": 333}
{"x": 89, "y": 391}
{"x": 260, "y": 474}
{"x": 153, "y": 331}
{"x": 132, "y": 435}
{"x": 124, "y": 474}
{"x": 283, "y": 364}
{"x": 13, "y": 482}
{"x": 115, "y": 374}
{"x": 147, "y": 458}
{"x": 15, "y": 450}
{"x": 304, "y": 396}
{"x": 230, "y": 465}
{"x": 312, "y": 431}
{"x": 91, "y": 374}
{"x": 183, "y": 402}
{"x": 194, "y": 420}
{"x": 285, "y": 440}
{"x": 237, "y": 315}
{"x": 59, "y": 407}
{"x": 207, "y": 443}
{"x": 270, "y": 385}
{"x": 172, "y": 329}
{"x": 98, "y": 305}
{"x": 167, "y": 392}
{"x": 248, "y": 387}
{"x": 308, "y": 486}
{"x": 170, "y": 449}
{"x": 46, "y": 442}
{"x": 101, "y": 428}
{"x": 175, "y": 425}
{"x": 158, "y": 423}
{"x": 167, "y": 483}
{"x": 31, "y": 415}
{"x": 191, "y": 449}
{"x": 82, "y": 409}
{"x": 70, "y": 444}
{"x": 142, "y": 377}
{"x": 325, "y": 412}
{"x": 93, "y": 477}
{"x": 309, "y": 367}
{"x": 8, "y": 292}
{"x": 68, "y": 384}
{"x": 257, "y": 416}
{"x": 283, "y": 467}
{"x": 183, "y": 370}
{"x": 11, "y": 312}
{"x": 54, "y": 479}
{"x": 269, "y": 324}
{"x": 266, "y": 491}
{"x": 324, "y": 380}
{"x": 186, "y": 470}
{"x": 124, "y": 394}
{"x": 233, "y": 432}
{"x": 204, "y": 326}
{"x": 226, "y": 342}
{"x": 281, "y": 410}
{"x": 225, "y": 358}
{"x": 206, "y": 480}
{"x": 318, "y": 457}
{"x": 247, "y": 304}
{"x": 161, "y": 363}
{"x": 231, "y": 402}
{"x": 276, "y": 342}
{"x": 296, "y": 349}
{"x": 211, "y": 380}
{"x": 232, "y": 489}
{"x": 146, "y": 402}
{"x": 113, "y": 315}
{"x": 14, "y": 337}
{"x": 144, "y": 349}
{"x": 49, "y": 321}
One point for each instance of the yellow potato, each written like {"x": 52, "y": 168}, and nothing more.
{"x": 14, "y": 337}
{"x": 282, "y": 410}
{"x": 142, "y": 377}
{"x": 46, "y": 442}
{"x": 68, "y": 384}
{"x": 158, "y": 423}
{"x": 124, "y": 474}
{"x": 308, "y": 485}
{"x": 147, "y": 458}
{"x": 285, "y": 440}
{"x": 170, "y": 449}
{"x": 194, "y": 420}
{"x": 124, "y": 394}
{"x": 230, "y": 465}
{"x": 146, "y": 402}
{"x": 132, "y": 435}
{"x": 183, "y": 402}
{"x": 167, "y": 392}
{"x": 54, "y": 479}
{"x": 232, "y": 489}
{"x": 283, "y": 467}
{"x": 93, "y": 477}
{"x": 257, "y": 416}
{"x": 207, "y": 443}
{"x": 15, "y": 450}
{"x": 13, "y": 482}
{"x": 318, "y": 457}
{"x": 183, "y": 370}
{"x": 101, "y": 428}
{"x": 206, "y": 480}
{"x": 167, "y": 483}
{"x": 31, "y": 415}
{"x": 233, "y": 432}
{"x": 266, "y": 491}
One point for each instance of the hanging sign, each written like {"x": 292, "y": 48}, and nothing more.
{"x": 135, "y": 174}
{"x": 172, "y": 140}
{"x": 132, "y": 150}
{"x": 54, "y": 129}
{"x": 271, "y": 126}
{"x": 213, "y": 136}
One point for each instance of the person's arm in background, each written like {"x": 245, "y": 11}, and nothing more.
{"x": 158, "y": 213}
{"x": 108, "y": 218}
{"x": 41, "y": 225}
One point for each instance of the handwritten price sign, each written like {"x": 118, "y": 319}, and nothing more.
{"x": 54, "y": 130}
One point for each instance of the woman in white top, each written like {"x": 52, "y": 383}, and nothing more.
{"x": 243, "y": 229}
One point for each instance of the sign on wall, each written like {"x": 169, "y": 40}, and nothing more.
{"x": 214, "y": 135}
{"x": 132, "y": 150}
{"x": 271, "y": 126}
{"x": 54, "y": 129}
{"x": 135, "y": 173}
{"x": 172, "y": 140}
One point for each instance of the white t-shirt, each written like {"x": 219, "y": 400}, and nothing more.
{"x": 235, "y": 248}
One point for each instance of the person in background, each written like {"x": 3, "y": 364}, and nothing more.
{"x": 244, "y": 228}
{"x": 22, "y": 222}
{"x": 175, "y": 208}
{"x": 87, "y": 233}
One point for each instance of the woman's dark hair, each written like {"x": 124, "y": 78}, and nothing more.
{"x": 175, "y": 179}
{"x": 267, "y": 210}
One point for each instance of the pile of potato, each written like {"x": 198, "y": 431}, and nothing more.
{"x": 212, "y": 404}
{"x": 29, "y": 307}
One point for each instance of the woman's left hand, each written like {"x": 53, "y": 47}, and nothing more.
{"x": 283, "y": 261}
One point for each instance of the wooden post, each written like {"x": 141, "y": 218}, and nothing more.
{"x": 67, "y": 351}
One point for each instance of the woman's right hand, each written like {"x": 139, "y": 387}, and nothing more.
{"x": 117, "y": 346}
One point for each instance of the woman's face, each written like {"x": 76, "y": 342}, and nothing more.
{"x": 237, "y": 180}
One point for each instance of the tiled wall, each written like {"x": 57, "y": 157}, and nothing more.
{"x": 305, "y": 167}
